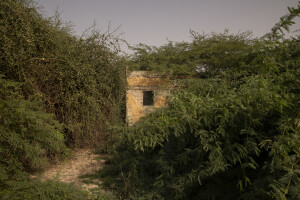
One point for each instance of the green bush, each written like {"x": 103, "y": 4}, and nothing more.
{"x": 80, "y": 80}
{"x": 234, "y": 135}
{"x": 224, "y": 144}
{"x": 55, "y": 89}
{"x": 42, "y": 190}
{"x": 28, "y": 136}
{"x": 209, "y": 53}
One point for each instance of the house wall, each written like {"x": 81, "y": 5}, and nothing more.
{"x": 139, "y": 81}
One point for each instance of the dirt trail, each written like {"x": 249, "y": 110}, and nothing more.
{"x": 84, "y": 161}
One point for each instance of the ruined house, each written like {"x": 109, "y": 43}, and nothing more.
{"x": 146, "y": 91}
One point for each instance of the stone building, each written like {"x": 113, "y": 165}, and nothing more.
{"x": 146, "y": 91}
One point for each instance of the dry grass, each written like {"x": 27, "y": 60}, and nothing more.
{"x": 83, "y": 161}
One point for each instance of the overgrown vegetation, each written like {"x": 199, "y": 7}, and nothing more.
{"x": 206, "y": 53}
{"x": 32, "y": 189}
{"x": 56, "y": 90}
{"x": 80, "y": 80}
{"x": 27, "y": 134}
{"x": 231, "y": 133}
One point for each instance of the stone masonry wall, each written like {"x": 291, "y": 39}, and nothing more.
{"x": 139, "y": 81}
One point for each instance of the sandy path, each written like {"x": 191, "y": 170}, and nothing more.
{"x": 84, "y": 161}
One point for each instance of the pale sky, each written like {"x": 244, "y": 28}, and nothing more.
{"x": 153, "y": 22}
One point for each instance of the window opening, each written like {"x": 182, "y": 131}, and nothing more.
{"x": 148, "y": 98}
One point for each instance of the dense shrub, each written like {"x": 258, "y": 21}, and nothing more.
{"x": 27, "y": 134}
{"x": 233, "y": 135}
{"x": 46, "y": 190}
{"x": 55, "y": 89}
{"x": 209, "y": 53}
{"x": 80, "y": 80}
{"x": 216, "y": 141}
{"x": 42, "y": 190}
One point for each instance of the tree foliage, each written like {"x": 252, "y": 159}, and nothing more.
{"x": 55, "y": 89}
{"x": 209, "y": 53}
{"x": 232, "y": 133}
{"x": 28, "y": 136}
{"x": 80, "y": 80}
